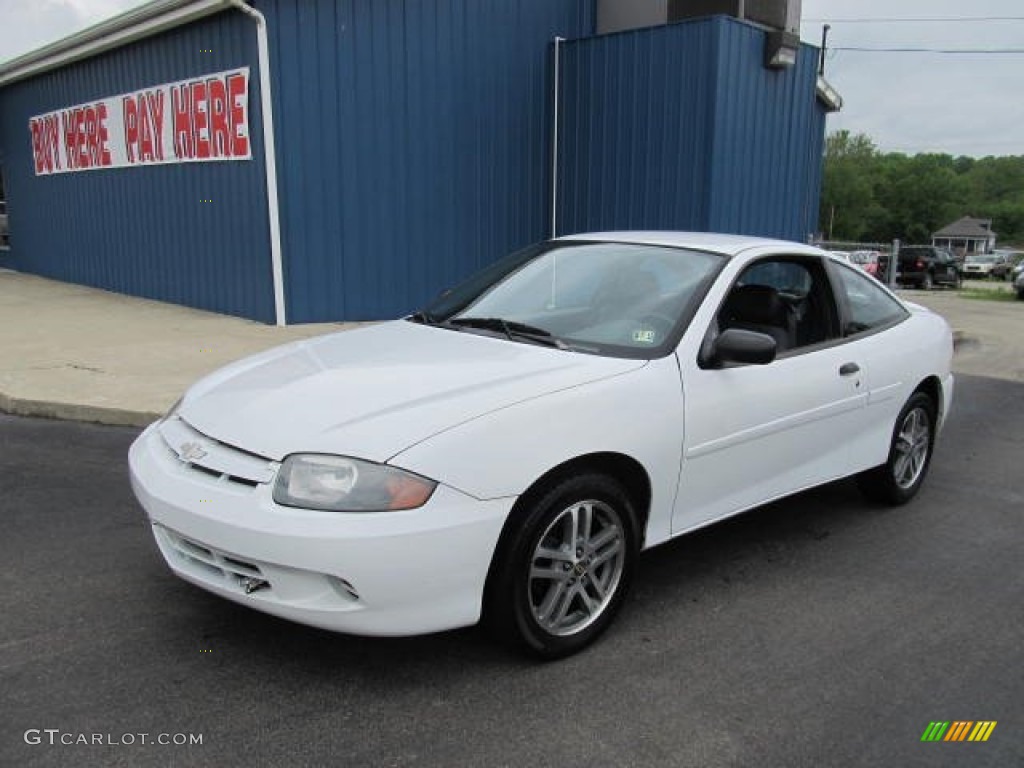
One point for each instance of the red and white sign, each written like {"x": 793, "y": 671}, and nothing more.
{"x": 198, "y": 120}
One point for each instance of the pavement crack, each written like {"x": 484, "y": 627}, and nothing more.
{"x": 89, "y": 368}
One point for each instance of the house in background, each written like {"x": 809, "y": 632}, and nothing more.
{"x": 966, "y": 236}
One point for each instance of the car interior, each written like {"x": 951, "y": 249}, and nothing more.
{"x": 789, "y": 300}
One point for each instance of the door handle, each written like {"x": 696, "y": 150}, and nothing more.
{"x": 848, "y": 369}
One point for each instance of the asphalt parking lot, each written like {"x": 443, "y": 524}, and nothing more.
{"x": 818, "y": 631}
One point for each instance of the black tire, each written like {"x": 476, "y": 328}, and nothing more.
{"x": 898, "y": 480}
{"x": 523, "y": 582}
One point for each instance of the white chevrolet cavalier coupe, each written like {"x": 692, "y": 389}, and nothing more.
{"x": 507, "y": 452}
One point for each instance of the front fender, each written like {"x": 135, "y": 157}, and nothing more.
{"x": 502, "y": 453}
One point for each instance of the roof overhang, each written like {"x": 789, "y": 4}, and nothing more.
{"x": 144, "y": 21}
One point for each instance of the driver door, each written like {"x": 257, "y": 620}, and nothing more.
{"x": 754, "y": 433}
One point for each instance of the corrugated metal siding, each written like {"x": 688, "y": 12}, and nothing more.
{"x": 144, "y": 231}
{"x": 682, "y": 127}
{"x": 766, "y": 170}
{"x": 413, "y": 143}
{"x": 636, "y": 122}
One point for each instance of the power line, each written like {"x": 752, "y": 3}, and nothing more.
{"x": 973, "y": 51}
{"x": 950, "y": 19}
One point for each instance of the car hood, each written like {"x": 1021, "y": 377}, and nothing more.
{"x": 375, "y": 391}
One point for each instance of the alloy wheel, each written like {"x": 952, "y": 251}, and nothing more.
{"x": 576, "y": 567}
{"x": 911, "y": 446}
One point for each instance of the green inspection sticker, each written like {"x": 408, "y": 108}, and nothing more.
{"x": 643, "y": 336}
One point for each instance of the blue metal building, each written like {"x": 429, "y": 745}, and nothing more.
{"x": 680, "y": 126}
{"x": 390, "y": 146}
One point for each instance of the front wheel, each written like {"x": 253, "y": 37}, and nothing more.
{"x": 563, "y": 571}
{"x": 910, "y": 452}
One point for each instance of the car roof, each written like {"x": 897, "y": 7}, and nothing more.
{"x": 725, "y": 244}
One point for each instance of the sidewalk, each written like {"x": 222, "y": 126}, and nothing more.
{"x": 72, "y": 352}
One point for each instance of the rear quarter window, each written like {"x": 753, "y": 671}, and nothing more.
{"x": 868, "y": 306}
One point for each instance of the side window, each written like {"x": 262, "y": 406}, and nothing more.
{"x": 868, "y": 306}
{"x": 785, "y": 276}
{"x": 788, "y": 299}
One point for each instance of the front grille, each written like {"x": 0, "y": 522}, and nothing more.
{"x": 217, "y": 568}
{"x": 217, "y": 460}
{"x": 213, "y": 563}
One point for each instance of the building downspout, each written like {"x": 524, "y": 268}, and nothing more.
{"x": 554, "y": 142}
{"x": 270, "y": 158}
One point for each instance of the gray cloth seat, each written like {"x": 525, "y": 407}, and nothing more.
{"x": 759, "y": 308}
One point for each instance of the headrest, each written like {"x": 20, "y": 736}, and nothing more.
{"x": 754, "y": 304}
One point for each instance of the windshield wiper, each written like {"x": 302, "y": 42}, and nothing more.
{"x": 511, "y": 329}
{"x": 422, "y": 317}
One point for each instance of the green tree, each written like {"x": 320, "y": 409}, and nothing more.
{"x": 874, "y": 196}
{"x": 919, "y": 194}
{"x": 847, "y": 195}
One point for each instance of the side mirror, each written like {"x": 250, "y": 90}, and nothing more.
{"x": 735, "y": 345}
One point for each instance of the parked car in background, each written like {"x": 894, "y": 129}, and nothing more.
{"x": 842, "y": 256}
{"x": 1006, "y": 262}
{"x": 1019, "y": 285}
{"x": 985, "y": 265}
{"x": 866, "y": 260}
{"x": 508, "y": 451}
{"x": 923, "y": 266}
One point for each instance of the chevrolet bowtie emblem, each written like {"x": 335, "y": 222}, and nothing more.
{"x": 191, "y": 452}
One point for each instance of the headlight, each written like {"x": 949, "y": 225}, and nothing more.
{"x": 341, "y": 484}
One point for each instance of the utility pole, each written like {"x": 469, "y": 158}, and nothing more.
{"x": 824, "y": 47}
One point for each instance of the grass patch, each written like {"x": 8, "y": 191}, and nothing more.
{"x": 992, "y": 294}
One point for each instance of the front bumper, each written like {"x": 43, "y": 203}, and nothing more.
{"x": 385, "y": 573}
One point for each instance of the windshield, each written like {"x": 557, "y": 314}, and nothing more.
{"x": 981, "y": 259}
{"x": 605, "y": 298}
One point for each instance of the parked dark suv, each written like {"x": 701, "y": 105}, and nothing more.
{"x": 923, "y": 266}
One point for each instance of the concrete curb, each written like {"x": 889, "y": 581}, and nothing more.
{"x": 96, "y": 414}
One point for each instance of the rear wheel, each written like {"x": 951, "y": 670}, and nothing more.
{"x": 561, "y": 575}
{"x": 910, "y": 452}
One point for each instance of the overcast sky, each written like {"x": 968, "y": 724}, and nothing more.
{"x": 970, "y": 104}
